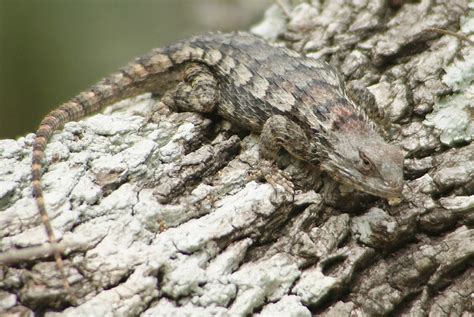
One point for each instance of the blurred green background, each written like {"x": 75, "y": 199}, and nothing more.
{"x": 52, "y": 49}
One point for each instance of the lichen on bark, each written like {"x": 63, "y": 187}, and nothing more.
{"x": 164, "y": 217}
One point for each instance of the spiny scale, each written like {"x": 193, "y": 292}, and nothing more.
{"x": 255, "y": 82}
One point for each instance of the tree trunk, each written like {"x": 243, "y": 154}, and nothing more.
{"x": 167, "y": 218}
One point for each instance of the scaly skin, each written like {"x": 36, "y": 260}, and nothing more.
{"x": 295, "y": 102}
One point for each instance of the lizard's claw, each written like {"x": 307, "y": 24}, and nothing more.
{"x": 158, "y": 108}
{"x": 273, "y": 175}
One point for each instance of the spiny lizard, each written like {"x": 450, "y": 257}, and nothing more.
{"x": 294, "y": 102}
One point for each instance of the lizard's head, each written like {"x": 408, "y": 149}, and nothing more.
{"x": 366, "y": 162}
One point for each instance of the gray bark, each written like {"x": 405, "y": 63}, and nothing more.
{"x": 164, "y": 218}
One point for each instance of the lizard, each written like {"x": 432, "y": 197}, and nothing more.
{"x": 294, "y": 102}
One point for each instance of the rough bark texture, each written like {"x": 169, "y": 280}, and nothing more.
{"x": 163, "y": 218}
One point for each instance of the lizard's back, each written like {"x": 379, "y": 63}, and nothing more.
{"x": 258, "y": 80}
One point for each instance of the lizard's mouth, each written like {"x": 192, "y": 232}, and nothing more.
{"x": 385, "y": 191}
{"x": 373, "y": 186}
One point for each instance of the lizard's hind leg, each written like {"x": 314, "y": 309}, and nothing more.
{"x": 197, "y": 92}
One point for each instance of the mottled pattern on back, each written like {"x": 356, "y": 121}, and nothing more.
{"x": 258, "y": 80}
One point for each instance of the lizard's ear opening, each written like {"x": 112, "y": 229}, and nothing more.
{"x": 366, "y": 166}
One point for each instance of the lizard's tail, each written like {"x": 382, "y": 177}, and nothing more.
{"x": 155, "y": 72}
{"x": 133, "y": 80}
{"x": 55, "y": 119}
{"x": 85, "y": 103}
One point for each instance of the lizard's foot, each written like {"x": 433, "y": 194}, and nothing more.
{"x": 273, "y": 175}
{"x": 158, "y": 110}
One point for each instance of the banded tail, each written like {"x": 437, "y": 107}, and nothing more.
{"x": 155, "y": 72}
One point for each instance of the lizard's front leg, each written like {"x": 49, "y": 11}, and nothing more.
{"x": 279, "y": 133}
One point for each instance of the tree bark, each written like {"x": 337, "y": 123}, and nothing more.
{"x": 166, "y": 217}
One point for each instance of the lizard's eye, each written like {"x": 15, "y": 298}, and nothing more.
{"x": 366, "y": 166}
